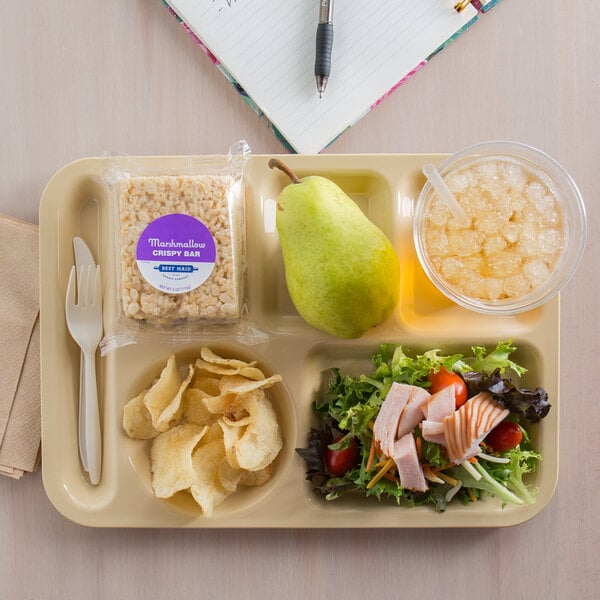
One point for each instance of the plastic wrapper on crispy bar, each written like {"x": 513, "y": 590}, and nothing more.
{"x": 179, "y": 251}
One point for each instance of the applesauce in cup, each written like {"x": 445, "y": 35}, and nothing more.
{"x": 524, "y": 232}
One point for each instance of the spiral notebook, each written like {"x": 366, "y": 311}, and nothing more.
{"x": 266, "y": 49}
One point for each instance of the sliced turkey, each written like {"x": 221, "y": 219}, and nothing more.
{"x": 412, "y": 414}
{"x": 440, "y": 405}
{"x": 385, "y": 427}
{"x": 433, "y": 431}
{"x": 466, "y": 427}
{"x": 409, "y": 467}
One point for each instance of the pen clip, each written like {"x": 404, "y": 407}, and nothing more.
{"x": 461, "y": 5}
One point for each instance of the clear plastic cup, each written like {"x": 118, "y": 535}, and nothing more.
{"x": 526, "y": 232}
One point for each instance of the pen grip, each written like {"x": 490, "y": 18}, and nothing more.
{"x": 323, "y": 50}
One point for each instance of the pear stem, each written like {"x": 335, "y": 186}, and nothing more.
{"x": 275, "y": 163}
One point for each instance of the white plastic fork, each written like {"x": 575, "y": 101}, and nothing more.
{"x": 83, "y": 310}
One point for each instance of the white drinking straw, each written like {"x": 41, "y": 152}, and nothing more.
{"x": 439, "y": 185}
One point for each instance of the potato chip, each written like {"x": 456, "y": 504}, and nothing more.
{"x": 256, "y": 478}
{"x": 252, "y": 373}
{"x": 232, "y": 433}
{"x": 194, "y": 409}
{"x": 210, "y": 357}
{"x": 171, "y": 459}
{"x": 241, "y": 422}
{"x": 241, "y": 385}
{"x": 229, "y": 476}
{"x": 217, "y": 405}
{"x": 214, "y": 432}
{"x": 248, "y": 371}
{"x": 209, "y": 385}
{"x": 230, "y": 404}
{"x": 206, "y": 487}
{"x": 261, "y": 441}
{"x": 173, "y": 411}
{"x": 160, "y": 395}
{"x": 137, "y": 421}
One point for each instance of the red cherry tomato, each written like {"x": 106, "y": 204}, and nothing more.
{"x": 505, "y": 436}
{"x": 443, "y": 378}
{"x": 341, "y": 461}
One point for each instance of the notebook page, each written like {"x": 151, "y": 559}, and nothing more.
{"x": 269, "y": 47}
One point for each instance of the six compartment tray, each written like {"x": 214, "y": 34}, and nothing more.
{"x": 75, "y": 202}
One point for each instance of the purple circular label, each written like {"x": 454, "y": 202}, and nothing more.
{"x": 176, "y": 253}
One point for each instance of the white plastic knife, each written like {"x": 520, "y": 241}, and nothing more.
{"x": 83, "y": 258}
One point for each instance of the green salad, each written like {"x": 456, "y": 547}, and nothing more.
{"x": 427, "y": 429}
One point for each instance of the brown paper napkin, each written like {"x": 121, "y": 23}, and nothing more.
{"x": 19, "y": 348}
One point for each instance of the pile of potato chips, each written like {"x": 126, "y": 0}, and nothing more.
{"x": 212, "y": 432}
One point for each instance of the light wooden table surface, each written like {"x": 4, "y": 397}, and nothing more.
{"x": 82, "y": 78}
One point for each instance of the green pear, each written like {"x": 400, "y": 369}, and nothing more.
{"x": 341, "y": 270}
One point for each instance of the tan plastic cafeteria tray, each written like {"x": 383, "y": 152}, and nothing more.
{"x": 76, "y": 203}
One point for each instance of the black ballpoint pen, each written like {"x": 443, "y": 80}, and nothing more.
{"x": 324, "y": 45}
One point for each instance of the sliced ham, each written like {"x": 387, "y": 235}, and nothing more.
{"x": 412, "y": 414}
{"x": 440, "y": 405}
{"x": 466, "y": 427}
{"x": 386, "y": 424}
{"x": 410, "y": 470}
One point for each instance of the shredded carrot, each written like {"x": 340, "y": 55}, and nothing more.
{"x": 447, "y": 478}
{"x": 371, "y": 455}
{"x": 384, "y": 469}
{"x": 442, "y": 468}
{"x": 473, "y": 460}
{"x": 419, "y": 447}
{"x": 472, "y": 496}
{"x": 391, "y": 477}
{"x": 430, "y": 474}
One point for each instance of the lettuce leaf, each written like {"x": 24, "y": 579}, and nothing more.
{"x": 487, "y": 483}
{"x": 497, "y": 359}
{"x": 521, "y": 463}
{"x": 531, "y": 404}
{"x": 414, "y": 371}
{"x": 523, "y": 460}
